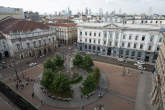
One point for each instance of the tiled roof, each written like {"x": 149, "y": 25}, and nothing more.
{"x": 20, "y": 25}
{"x": 62, "y": 24}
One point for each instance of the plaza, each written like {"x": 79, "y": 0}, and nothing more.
{"x": 121, "y": 91}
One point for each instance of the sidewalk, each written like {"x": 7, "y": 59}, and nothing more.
{"x": 143, "y": 97}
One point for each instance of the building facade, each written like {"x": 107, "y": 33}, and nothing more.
{"x": 137, "y": 42}
{"x": 13, "y": 12}
{"x": 66, "y": 32}
{"x": 32, "y": 16}
{"x": 158, "y": 91}
{"x": 3, "y": 47}
{"x": 26, "y": 38}
{"x": 146, "y": 21}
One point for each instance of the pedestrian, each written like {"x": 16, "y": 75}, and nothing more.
{"x": 27, "y": 83}
{"x": 42, "y": 102}
{"x": 81, "y": 96}
{"x": 23, "y": 76}
{"x": 32, "y": 94}
{"x": 16, "y": 86}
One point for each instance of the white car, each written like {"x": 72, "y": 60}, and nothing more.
{"x": 32, "y": 64}
{"x": 140, "y": 67}
{"x": 120, "y": 59}
{"x": 140, "y": 62}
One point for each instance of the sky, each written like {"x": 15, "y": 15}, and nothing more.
{"x": 50, "y": 6}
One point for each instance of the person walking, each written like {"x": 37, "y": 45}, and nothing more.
{"x": 32, "y": 94}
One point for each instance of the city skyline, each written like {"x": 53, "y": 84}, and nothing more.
{"x": 50, "y": 6}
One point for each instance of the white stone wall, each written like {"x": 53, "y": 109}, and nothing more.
{"x": 155, "y": 42}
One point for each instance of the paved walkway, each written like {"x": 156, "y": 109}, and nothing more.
{"x": 143, "y": 97}
{"x": 76, "y": 100}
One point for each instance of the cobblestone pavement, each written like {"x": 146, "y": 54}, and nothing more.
{"x": 121, "y": 93}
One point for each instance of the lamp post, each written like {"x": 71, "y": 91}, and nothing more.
{"x": 81, "y": 106}
{"x": 15, "y": 70}
{"x": 124, "y": 71}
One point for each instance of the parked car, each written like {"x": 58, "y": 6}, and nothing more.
{"x": 140, "y": 62}
{"x": 32, "y": 64}
{"x": 42, "y": 56}
{"x": 140, "y": 67}
{"x": 120, "y": 59}
{"x": 136, "y": 64}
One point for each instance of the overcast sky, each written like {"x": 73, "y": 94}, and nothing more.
{"x": 50, "y": 6}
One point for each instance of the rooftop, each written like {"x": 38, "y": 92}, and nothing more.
{"x": 92, "y": 24}
{"x": 121, "y": 25}
{"x": 19, "y": 25}
{"x": 62, "y": 24}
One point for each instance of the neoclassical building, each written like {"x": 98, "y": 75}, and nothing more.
{"x": 132, "y": 41}
{"x": 27, "y": 38}
{"x": 3, "y": 47}
{"x": 158, "y": 80}
{"x": 66, "y": 32}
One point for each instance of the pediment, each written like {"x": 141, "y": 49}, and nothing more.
{"x": 111, "y": 26}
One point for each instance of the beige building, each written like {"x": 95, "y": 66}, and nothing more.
{"x": 158, "y": 91}
{"x": 66, "y": 32}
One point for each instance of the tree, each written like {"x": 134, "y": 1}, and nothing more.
{"x": 96, "y": 75}
{"x": 47, "y": 78}
{"x": 78, "y": 60}
{"x": 61, "y": 85}
{"x": 88, "y": 62}
{"x": 89, "y": 85}
{"x": 58, "y": 61}
{"x": 48, "y": 64}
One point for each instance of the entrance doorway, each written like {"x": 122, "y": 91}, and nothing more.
{"x": 6, "y": 54}
{"x": 147, "y": 58}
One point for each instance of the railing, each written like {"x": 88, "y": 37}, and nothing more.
{"x": 18, "y": 100}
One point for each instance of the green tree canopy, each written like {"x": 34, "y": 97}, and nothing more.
{"x": 47, "y": 78}
{"x": 48, "y": 64}
{"x": 58, "y": 61}
{"x": 78, "y": 60}
{"x": 88, "y": 62}
{"x": 96, "y": 74}
{"x": 89, "y": 85}
{"x": 61, "y": 85}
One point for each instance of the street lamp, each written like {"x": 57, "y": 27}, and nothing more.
{"x": 119, "y": 51}
{"x": 81, "y": 106}
{"x": 15, "y": 70}
{"x": 124, "y": 71}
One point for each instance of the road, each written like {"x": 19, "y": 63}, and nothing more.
{"x": 116, "y": 62}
